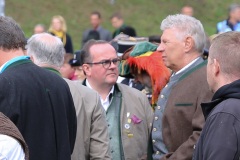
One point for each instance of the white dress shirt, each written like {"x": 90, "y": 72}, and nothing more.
{"x": 10, "y": 148}
{"x": 184, "y": 68}
{"x": 105, "y": 102}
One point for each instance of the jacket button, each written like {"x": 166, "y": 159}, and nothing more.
{"x": 158, "y": 107}
{"x": 153, "y": 141}
{"x": 154, "y": 129}
{"x": 162, "y": 96}
{"x": 157, "y": 152}
{"x": 156, "y": 118}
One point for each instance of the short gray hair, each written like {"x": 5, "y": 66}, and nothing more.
{"x": 233, "y": 7}
{"x": 46, "y": 49}
{"x": 187, "y": 26}
{"x": 225, "y": 48}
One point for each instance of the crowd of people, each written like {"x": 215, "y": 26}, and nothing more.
{"x": 175, "y": 103}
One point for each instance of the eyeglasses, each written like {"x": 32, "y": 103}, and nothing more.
{"x": 107, "y": 63}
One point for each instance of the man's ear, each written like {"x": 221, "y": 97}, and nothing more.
{"x": 216, "y": 67}
{"x": 87, "y": 69}
{"x": 189, "y": 43}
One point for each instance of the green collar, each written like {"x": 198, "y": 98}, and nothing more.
{"x": 53, "y": 70}
{"x": 19, "y": 62}
{"x": 118, "y": 31}
{"x": 193, "y": 69}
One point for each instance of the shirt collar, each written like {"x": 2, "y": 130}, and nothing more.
{"x": 89, "y": 86}
{"x": 105, "y": 103}
{"x": 8, "y": 63}
{"x": 187, "y": 66}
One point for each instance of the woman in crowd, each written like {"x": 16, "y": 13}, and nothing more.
{"x": 58, "y": 28}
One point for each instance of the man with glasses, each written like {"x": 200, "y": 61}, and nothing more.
{"x": 128, "y": 112}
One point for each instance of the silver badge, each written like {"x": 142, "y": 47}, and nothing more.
{"x": 127, "y": 126}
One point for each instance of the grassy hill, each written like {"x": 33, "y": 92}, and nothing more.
{"x": 144, "y": 15}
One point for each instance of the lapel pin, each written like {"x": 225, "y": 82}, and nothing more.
{"x": 128, "y": 114}
{"x": 127, "y": 126}
{"x": 130, "y": 135}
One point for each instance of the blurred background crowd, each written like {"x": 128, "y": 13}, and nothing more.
{"x": 144, "y": 16}
{"x": 77, "y": 22}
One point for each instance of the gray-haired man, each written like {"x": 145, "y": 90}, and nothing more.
{"x": 178, "y": 117}
{"x": 47, "y": 51}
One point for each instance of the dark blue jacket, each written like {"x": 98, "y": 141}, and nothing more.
{"x": 220, "y": 137}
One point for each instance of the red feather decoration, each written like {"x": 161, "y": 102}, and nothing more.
{"x": 156, "y": 69}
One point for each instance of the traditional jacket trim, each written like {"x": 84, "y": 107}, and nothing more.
{"x": 192, "y": 70}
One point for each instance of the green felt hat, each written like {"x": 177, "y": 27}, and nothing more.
{"x": 139, "y": 49}
{"x": 142, "y": 48}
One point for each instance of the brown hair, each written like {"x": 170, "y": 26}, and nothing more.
{"x": 225, "y": 49}
{"x": 97, "y": 13}
{"x": 12, "y": 36}
{"x": 86, "y": 55}
{"x": 116, "y": 15}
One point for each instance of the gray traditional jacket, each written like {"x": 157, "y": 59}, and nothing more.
{"x": 136, "y": 117}
{"x": 183, "y": 119}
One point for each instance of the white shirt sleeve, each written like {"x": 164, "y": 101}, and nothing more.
{"x": 10, "y": 148}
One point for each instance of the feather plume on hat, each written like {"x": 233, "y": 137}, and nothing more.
{"x": 147, "y": 59}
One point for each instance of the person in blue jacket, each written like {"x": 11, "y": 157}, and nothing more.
{"x": 233, "y": 21}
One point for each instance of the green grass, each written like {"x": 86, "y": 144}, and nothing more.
{"x": 144, "y": 15}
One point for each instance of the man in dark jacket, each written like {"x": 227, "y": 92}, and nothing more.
{"x": 96, "y": 32}
{"x": 37, "y": 101}
{"x": 118, "y": 23}
{"x": 220, "y": 137}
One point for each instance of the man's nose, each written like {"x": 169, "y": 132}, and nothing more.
{"x": 160, "y": 47}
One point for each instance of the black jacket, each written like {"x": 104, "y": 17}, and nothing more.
{"x": 220, "y": 137}
{"x": 40, "y": 104}
{"x": 128, "y": 30}
{"x": 68, "y": 46}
